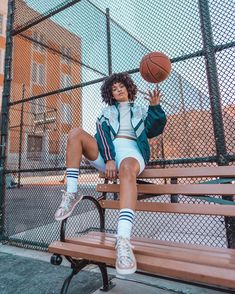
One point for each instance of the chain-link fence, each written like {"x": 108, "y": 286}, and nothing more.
{"x": 58, "y": 53}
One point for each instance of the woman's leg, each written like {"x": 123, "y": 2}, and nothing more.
{"x": 79, "y": 143}
{"x": 128, "y": 171}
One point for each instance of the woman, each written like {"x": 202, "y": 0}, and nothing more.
{"x": 120, "y": 147}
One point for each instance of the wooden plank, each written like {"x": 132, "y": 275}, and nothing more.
{"x": 184, "y": 208}
{"x": 79, "y": 251}
{"x": 187, "y": 189}
{"x": 188, "y": 271}
{"x": 187, "y": 172}
{"x": 185, "y": 271}
{"x": 111, "y": 238}
{"x": 218, "y": 259}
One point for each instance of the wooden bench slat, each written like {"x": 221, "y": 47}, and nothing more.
{"x": 183, "y": 254}
{"x": 186, "y": 172}
{"x": 111, "y": 237}
{"x": 178, "y": 269}
{"x": 188, "y": 271}
{"x": 187, "y": 189}
{"x": 199, "y": 209}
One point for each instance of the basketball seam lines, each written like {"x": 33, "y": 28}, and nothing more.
{"x": 157, "y": 56}
{"x": 148, "y": 56}
{"x": 150, "y": 72}
{"x": 159, "y": 66}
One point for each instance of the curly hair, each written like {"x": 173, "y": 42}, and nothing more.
{"x": 125, "y": 79}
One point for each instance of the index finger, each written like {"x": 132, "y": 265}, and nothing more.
{"x": 149, "y": 99}
{"x": 150, "y": 94}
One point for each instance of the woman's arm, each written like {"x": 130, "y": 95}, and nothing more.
{"x": 104, "y": 140}
{"x": 155, "y": 120}
{"x": 106, "y": 147}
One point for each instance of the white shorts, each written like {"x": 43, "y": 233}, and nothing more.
{"x": 124, "y": 148}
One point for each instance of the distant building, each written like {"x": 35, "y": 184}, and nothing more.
{"x": 190, "y": 134}
{"x": 3, "y": 21}
{"x": 43, "y": 62}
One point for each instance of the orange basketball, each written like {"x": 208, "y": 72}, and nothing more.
{"x": 155, "y": 67}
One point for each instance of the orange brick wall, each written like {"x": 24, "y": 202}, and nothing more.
{"x": 23, "y": 56}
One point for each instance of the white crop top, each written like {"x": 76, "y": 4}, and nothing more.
{"x": 126, "y": 128}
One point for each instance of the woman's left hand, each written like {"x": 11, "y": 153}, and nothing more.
{"x": 154, "y": 97}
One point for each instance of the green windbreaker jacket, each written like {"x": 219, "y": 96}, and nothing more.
{"x": 147, "y": 123}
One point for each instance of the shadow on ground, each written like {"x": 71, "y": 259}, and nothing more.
{"x": 22, "y": 275}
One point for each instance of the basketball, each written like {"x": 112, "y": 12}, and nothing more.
{"x": 155, "y": 67}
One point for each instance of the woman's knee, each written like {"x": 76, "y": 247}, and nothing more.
{"x": 75, "y": 134}
{"x": 127, "y": 169}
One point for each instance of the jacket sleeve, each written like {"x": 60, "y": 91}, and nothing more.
{"x": 155, "y": 121}
{"x": 103, "y": 138}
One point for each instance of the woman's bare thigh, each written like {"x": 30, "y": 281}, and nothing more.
{"x": 89, "y": 147}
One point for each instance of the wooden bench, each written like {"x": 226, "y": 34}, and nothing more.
{"x": 187, "y": 262}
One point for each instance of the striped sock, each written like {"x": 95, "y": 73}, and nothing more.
{"x": 72, "y": 179}
{"x": 125, "y": 222}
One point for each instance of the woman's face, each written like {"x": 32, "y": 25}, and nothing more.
{"x": 119, "y": 92}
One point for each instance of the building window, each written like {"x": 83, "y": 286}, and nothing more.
{"x": 38, "y": 41}
{"x": 34, "y": 147}
{"x": 66, "y": 113}
{"x": 38, "y": 74}
{"x": 2, "y": 55}
{"x": 65, "y": 80}
{"x": 38, "y": 106}
{"x": 66, "y": 55}
{"x": 1, "y": 24}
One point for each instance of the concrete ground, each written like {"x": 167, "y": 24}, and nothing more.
{"x": 25, "y": 271}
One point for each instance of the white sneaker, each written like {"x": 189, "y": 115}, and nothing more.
{"x": 125, "y": 258}
{"x": 67, "y": 205}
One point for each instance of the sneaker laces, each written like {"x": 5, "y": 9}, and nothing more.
{"x": 66, "y": 199}
{"x": 124, "y": 251}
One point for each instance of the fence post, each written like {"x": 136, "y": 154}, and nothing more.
{"x": 5, "y": 110}
{"x": 213, "y": 84}
{"x": 21, "y": 135}
{"x": 215, "y": 101}
{"x": 108, "y": 41}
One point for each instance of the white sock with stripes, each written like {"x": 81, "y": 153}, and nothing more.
{"x": 72, "y": 179}
{"x": 125, "y": 222}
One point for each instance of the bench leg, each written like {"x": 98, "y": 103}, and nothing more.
{"x": 77, "y": 266}
{"x": 65, "y": 286}
{"x": 107, "y": 284}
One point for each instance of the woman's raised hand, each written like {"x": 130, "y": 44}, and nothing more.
{"x": 154, "y": 97}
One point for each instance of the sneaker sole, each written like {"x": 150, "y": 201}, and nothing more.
{"x": 70, "y": 212}
{"x": 126, "y": 271}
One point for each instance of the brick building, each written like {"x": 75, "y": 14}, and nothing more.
{"x": 43, "y": 62}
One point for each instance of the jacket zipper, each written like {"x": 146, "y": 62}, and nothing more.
{"x": 118, "y": 119}
{"x": 137, "y": 137}
{"x": 131, "y": 120}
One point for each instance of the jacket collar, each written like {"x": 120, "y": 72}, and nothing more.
{"x": 117, "y": 103}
